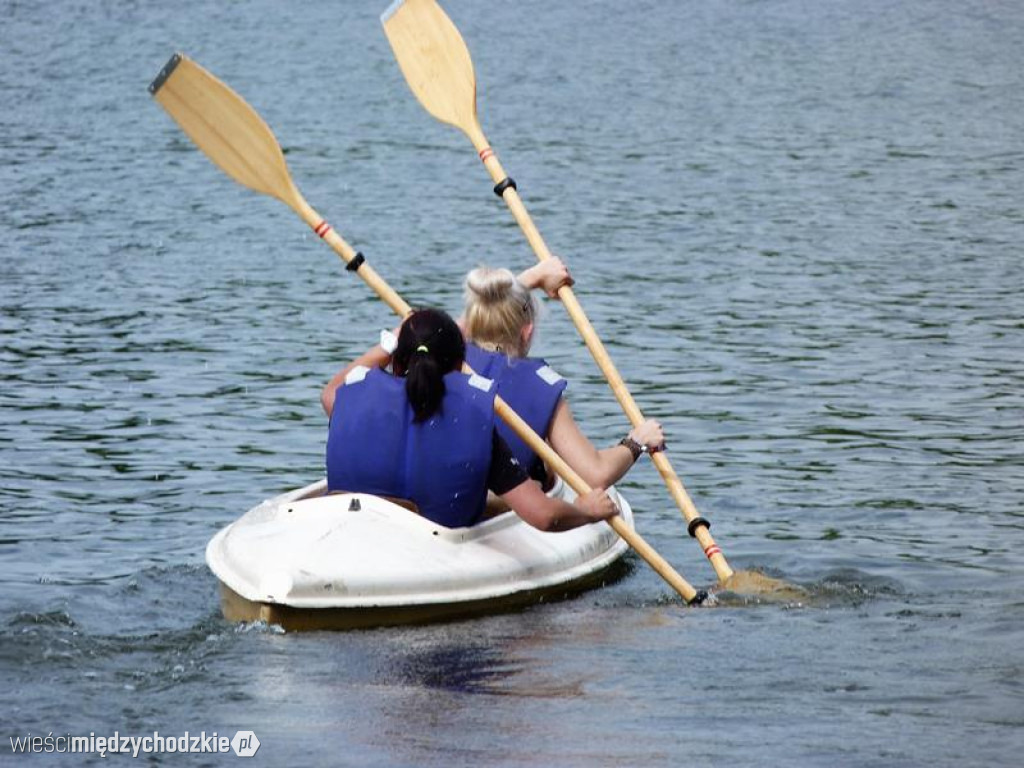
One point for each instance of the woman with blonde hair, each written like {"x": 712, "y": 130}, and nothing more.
{"x": 499, "y": 322}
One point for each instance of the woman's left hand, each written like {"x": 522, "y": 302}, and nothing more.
{"x": 650, "y": 435}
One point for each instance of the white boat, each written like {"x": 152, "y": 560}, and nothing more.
{"x": 306, "y": 560}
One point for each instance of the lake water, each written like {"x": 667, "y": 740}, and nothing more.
{"x": 797, "y": 225}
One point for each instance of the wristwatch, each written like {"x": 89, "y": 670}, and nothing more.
{"x": 634, "y": 447}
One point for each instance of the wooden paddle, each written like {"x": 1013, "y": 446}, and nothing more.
{"x": 437, "y": 65}
{"x": 240, "y": 143}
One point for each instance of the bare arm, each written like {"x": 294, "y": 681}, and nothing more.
{"x": 375, "y": 356}
{"x": 600, "y": 468}
{"x": 547, "y": 514}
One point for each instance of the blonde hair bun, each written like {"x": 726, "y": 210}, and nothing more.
{"x": 498, "y": 308}
{"x": 490, "y": 285}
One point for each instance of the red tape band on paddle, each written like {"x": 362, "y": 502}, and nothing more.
{"x": 486, "y": 153}
{"x": 712, "y": 550}
{"x": 322, "y": 229}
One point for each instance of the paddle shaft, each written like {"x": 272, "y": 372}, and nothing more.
{"x": 230, "y": 132}
{"x": 698, "y": 527}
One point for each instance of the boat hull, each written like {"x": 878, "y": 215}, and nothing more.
{"x": 305, "y": 560}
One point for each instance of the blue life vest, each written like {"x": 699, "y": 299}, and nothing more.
{"x": 528, "y": 385}
{"x": 374, "y": 446}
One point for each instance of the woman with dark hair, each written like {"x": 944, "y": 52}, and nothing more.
{"x": 427, "y": 433}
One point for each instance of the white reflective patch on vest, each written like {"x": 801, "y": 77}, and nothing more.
{"x": 357, "y": 374}
{"x": 549, "y": 375}
{"x": 480, "y": 382}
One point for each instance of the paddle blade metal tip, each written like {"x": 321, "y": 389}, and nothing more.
{"x": 391, "y": 11}
{"x": 165, "y": 73}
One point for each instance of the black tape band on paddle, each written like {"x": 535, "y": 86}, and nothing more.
{"x": 356, "y": 263}
{"x": 501, "y": 186}
{"x": 696, "y": 523}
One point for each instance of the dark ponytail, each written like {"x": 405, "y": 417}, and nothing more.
{"x": 430, "y": 346}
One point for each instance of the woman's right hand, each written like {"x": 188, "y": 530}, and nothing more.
{"x": 596, "y": 504}
{"x": 548, "y": 275}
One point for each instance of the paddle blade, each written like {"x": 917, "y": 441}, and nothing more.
{"x": 434, "y": 59}
{"x": 224, "y": 127}
{"x": 761, "y": 587}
